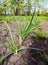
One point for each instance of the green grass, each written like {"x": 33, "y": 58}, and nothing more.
{"x": 17, "y": 17}
{"x": 22, "y": 17}
{"x": 43, "y": 17}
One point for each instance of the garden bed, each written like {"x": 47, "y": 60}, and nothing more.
{"x": 24, "y": 57}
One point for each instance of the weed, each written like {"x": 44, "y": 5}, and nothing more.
{"x": 39, "y": 33}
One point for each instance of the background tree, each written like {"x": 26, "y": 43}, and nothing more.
{"x": 39, "y": 5}
{"x": 4, "y": 5}
{"x": 17, "y": 6}
{"x": 29, "y": 6}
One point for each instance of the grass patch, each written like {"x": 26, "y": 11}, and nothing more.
{"x": 17, "y": 17}
{"x": 21, "y": 17}
{"x": 43, "y": 17}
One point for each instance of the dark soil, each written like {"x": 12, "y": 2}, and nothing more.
{"x": 24, "y": 57}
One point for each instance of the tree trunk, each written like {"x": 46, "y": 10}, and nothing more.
{"x": 17, "y": 11}
{"x": 5, "y": 12}
{"x": 38, "y": 12}
{"x": 29, "y": 12}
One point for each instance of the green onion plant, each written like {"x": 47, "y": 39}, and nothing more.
{"x": 21, "y": 34}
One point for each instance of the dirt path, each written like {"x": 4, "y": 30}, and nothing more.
{"x": 44, "y": 25}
